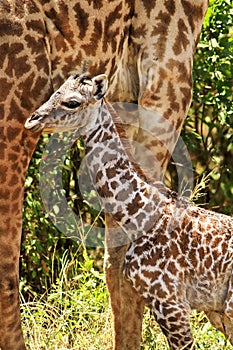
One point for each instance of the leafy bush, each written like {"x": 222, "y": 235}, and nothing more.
{"x": 208, "y": 128}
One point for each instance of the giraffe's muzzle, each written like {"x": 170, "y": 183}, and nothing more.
{"x": 35, "y": 123}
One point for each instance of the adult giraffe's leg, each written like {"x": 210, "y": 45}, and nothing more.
{"x": 165, "y": 63}
{"x": 24, "y": 85}
{"x": 17, "y": 153}
{"x": 165, "y": 37}
{"x": 127, "y": 306}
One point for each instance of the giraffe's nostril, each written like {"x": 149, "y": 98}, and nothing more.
{"x": 34, "y": 116}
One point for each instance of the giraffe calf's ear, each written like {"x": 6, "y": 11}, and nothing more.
{"x": 100, "y": 86}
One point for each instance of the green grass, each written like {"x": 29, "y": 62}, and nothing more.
{"x": 75, "y": 314}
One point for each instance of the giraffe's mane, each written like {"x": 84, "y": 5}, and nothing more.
{"x": 126, "y": 144}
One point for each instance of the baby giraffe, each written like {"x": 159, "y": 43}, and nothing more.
{"x": 180, "y": 257}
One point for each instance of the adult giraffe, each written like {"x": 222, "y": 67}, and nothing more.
{"x": 146, "y": 47}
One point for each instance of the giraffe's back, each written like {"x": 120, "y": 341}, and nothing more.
{"x": 187, "y": 257}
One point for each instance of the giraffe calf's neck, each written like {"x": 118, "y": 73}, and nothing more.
{"x": 180, "y": 256}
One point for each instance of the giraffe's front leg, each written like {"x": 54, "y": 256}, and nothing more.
{"x": 173, "y": 319}
{"x": 127, "y": 306}
{"x": 10, "y": 232}
{"x": 10, "y": 322}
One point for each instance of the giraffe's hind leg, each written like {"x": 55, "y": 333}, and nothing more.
{"x": 222, "y": 322}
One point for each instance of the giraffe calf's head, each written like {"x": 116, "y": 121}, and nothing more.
{"x": 71, "y": 106}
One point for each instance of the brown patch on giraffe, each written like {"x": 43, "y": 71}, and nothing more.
{"x": 82, "y": 20}
{"x": 111, "y": 172}
{"x": 3, "y": 147}
{"x": 9, "y": 28}
{"x": 132, "y": 227}
{"x": 187, "y": 92}
{"x": 4, "y": 86}
{"x": 208, "y": 262}
{"x": 139, "y": 31}
{"x": 149, "y": 6}
{"x": 114, "y": 185}
{"x": 185, "y": 222}
{"x": 12, "y": 133}
{"x": 104, "y": 191}
{"x": 168, "y": 283}
{"x": 148, "y": 274}
{"x": 99, "y": 176}
{"x": 216, "y": 242}
{"x": 21, "y": 63}
{"x": 3, "y": 172}
{"x": 32, "y": 7}
{"x": 174, "y": 250}
{"x": 40, "y": 84}
{"x": 181, "y": 40}
{"x": 4, "y": 208}
{"x": 36, "y": 46}
{"x": 167, "y": 114}
{"x": 60, "y": 44}
{"x": 140, "y": 284}
{"x": 162, "y": 294}
{"x": 13, "y": 181}
{"x": 193, "y": 12}
{"x": 12, "y": 157}
{"x": 105, "y": 137}
{"x": 6, "y": 7}
{"x": 179, "y": 123}
{"x": 16, "y": 193}
{"x": 37, "y": 26}
{"x": 170, "y": 6}
{"x": 182, "y": 262}
{"x": 4, "y": 193}
{"x": 161, "y": 32}
{"x": 174, "y": 106}
{"x": 92, "y": 46}
{"x": 118, "y": 216}
{"x": 14, "y": 112}
{"x": 109, "y": 33}
{"x": 135, "y": 205}
{"x": 15, "y": 148}
{"x": 141, "y": 247}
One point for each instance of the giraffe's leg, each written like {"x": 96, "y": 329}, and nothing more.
{"x": 25, "y": 82}
{"x": 175, "y": 324}
{"x": 165, "y": 75}
{"x": 10, "y": 326}
{"x": 12, "y": 175}
{"x": 223, "y": 321}
{"x": 127, "y": 306}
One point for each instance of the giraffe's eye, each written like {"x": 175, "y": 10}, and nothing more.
{"x": 72, "y": 104}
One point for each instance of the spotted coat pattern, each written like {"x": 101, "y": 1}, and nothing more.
{"x": 179, "y": 257}
{"x": 146, "y": 48}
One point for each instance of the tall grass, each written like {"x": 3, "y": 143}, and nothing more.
{"x": 75, "y": 314}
